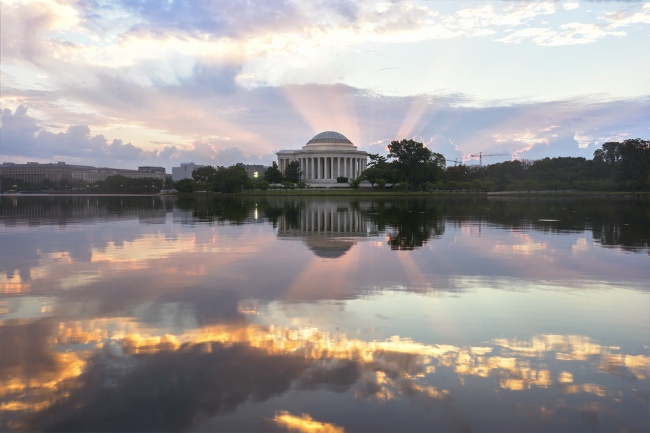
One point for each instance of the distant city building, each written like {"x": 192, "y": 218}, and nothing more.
{"x": 324, "y": 158}
{"x": 148, "y": 169}
{"x": 184, "y": 171}
{"x": 253, "y": 171}
{"x": 97, "y": 174}
{"x": 35, "y": 172}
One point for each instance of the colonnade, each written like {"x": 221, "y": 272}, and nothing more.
{"x": 327, "y": 167}
{"x": 327, "y": 221}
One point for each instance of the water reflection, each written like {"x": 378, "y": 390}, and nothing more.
{"x": 128, "y": 379}
{"x": 280, "y": 314}
{"x": 328, "y": 227}
{"x": 409, "y": 223}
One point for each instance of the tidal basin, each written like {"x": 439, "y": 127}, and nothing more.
{"x": 285, "y": 314}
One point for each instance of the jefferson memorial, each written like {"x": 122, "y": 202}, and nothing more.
{"x": 324, "y": 158}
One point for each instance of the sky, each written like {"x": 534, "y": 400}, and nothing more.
{"x": 125, "y": 83}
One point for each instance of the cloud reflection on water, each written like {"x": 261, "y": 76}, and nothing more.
{"x": 129, "y": 326}
{"x": 164, "y": 381}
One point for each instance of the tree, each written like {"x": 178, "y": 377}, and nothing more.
{"x": 377, "y": 161}
{"x": 261, "y": 184}
{"x": 184, "y": 186}
{"x": 372, "y": 175}
{"x": 415, "y": 162}
{"x": 293, "y": 173}
{"x": 273, "y": 174}
{"x": 230, "y": 180}
{"x": 355, "y": 183}
{"x": 204, "y": 175}
{"x": 628, "y": 163}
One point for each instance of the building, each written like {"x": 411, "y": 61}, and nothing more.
{"x": 253, "y": 171}
{"x": 324, "y": 158}
{"x": 93, "y": 174}
{"x": 149, "y": 169}
{"x": 35, "y": 172}
{"x": 184, "y": 171}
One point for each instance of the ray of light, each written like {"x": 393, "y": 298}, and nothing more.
{"x": 329, "y": 108}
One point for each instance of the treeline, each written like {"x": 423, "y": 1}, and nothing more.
{"x": 615, "y": 167}
{"x": 112, "y": 185}
{"x": 409, "y": 222}
{"x": 235, "y": 179}
{"x": 411, "y": 166}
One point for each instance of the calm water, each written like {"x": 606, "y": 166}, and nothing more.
{"x": 289, "y": 315}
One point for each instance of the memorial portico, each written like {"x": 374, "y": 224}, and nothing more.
{"x": 324, "y": 158}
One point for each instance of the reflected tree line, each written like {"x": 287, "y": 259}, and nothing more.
{"x": 408, "y": 223}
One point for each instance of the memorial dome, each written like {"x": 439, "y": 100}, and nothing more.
{"x": 329, "y": 137}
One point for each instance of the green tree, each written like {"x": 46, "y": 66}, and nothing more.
{"x": 184, "y": 186}
{"x": 293, "y": 173}
{"x": 372, "y": 175}
{"x": 415, "y": 162}
{"x": 628, "y": 163}
{"x": 273, "y": 174}
{"x": 355, "y": 183}
{"x": 230, "y": 180}
{"x": 261, "y": 184}
{"x": 204, "y": 175}
{"x": 377, "y": 161}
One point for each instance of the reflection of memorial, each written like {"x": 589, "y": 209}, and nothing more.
{"x": 328, "y": 228}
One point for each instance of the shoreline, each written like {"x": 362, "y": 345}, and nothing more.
{"x": 354, "y": 193}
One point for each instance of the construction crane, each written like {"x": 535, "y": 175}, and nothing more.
{"x": 455, "y": 161}
{"x": 481, "y": 155}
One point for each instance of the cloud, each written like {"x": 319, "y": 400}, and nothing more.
{"x": 25, "y": 27}
{"x": 573, "y": 33}
{"x": 304, "y": 423}
{"x": 214, "y": 83}
{"x": 22, "y": 136}
{"x": 229, "y": 19}
{"x": 570, "y": 5}
{"x": 155, "y": 400}
{"x": 569, "y": 34}
{"x": 626, "y": 17}
{"x": 275, "y": 121}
